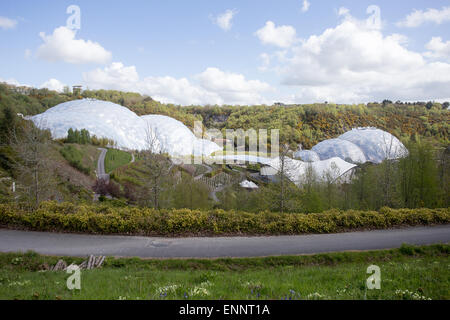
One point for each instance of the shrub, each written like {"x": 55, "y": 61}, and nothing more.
{"x": 108, "y": 219}
{"x": 74, "y": 157}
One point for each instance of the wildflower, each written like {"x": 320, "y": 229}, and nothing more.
{"x": 19, "y": 284}
{"x": 315, "y": 296}
{"x": 167, "y": 289}
{"x": 409, "y": 295}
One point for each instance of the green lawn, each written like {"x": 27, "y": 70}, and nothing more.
{"x": 406, "y": 273}
{"x": 116, "y": 158}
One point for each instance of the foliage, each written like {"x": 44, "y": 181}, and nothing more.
{"x": 191, "y": 194}
{"x": 116, "y": 158}
{"x": 423, "y": 275}
{"x": 84, "y": 137}
{"x": 106, "y": 219}
{"x": 421, "y": 179}
{"x": 301, "y": 124}
{"x": 74, "y": 157}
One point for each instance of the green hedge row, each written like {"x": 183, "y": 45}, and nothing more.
{"x": 52, "y": 216}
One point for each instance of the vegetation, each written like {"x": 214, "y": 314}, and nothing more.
{"x": 421, "y": 179}
{"x": 300, "y": 124}
{"x": 116, "y": 158}
{"x": 74, "y": 157}
{"x": 107, "y": 219}
{"x": 84, "y": 137}
{"x": 407, "y": 273}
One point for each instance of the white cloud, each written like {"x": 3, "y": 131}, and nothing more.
{"x": 419, "y": 17}
{"x": 232, "y": 88}
{"x": 282, "y": 36}
{"x": 224, "y": 20}
{"x": 27, "y": 54}
{"x": 212, "y": 86}
{"x": 305, "y": 5}
{"x": 53, "y": 84}
{"x": 343, "y": 11}
{"x": 62, "y": 46}
{"x": 355, "y": 63}
{"x": 115, "y": 77}
{"x": 438, "y": 48}
{"x": 7, "y": 23}
{"x": 265, "y": 58}
{"x": 11, "y": 81}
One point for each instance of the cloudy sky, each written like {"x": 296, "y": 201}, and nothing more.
{"x": 232, "y": 52}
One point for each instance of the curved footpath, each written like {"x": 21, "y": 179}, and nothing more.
{"x": 153, "y": 247}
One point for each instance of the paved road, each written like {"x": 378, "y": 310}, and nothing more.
{"x": 145, "y": 247}
{"x": 101, "y": 164}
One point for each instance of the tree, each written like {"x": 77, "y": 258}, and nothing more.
{"x": 311, "y": 200}
{"x": 191, "y": 194}
{"x": 284, "y": 150}
{"x": 157, "y": 170}
{"x": 7, "y": 123}
{"x": 31, "y": 145}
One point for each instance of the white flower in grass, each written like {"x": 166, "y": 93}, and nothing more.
{"x": 315, "y": 296}
{"x": 171, "y": 288}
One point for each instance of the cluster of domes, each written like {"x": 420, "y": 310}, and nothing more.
{"x": 358, "y": 145}
{"x": 129, "y": 131}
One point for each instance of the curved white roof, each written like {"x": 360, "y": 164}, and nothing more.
{"x": 377, "y": 145}
{"x": 296, "y": 170}
{"x": 109, "y": 120}
{"x": 343, "y": 149}
{"x": 176, "y": 139}
{"x": 307, "y": 155}
{"x": 101, "y": 118}
{"x": 248, "y": 184}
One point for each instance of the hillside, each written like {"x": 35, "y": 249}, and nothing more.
{"x": 302, "y": 124}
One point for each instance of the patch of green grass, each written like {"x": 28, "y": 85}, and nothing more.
{"x": 406, "y": 273}
{"x": 75, "y": 157}
{"x": 116, "y": 158}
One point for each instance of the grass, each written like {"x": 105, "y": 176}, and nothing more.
{"x": 116, "y": 158}
{"x": 406, "y": 273}
{"x": 74, "y": 156}
{"x": 81, "y": 157}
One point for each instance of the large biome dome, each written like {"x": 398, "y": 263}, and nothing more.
{"x": 109, "y": 120}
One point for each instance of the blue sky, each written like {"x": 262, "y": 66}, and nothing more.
{"x": 177, "y": 51}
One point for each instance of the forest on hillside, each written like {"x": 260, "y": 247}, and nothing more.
{"x": 421, "y": 179}
{"x": 305, "y": 125}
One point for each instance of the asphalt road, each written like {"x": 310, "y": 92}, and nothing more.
{"x": 146, "y": 247}
{"x": 101, "y": 164}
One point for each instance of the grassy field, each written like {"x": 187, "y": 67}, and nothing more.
{"x": 83, "y": 157}
{"x": 406, "y": 273}
{"x": 116, "y": 158}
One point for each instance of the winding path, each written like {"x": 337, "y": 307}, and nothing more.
{"x": 155, "y": 247}
{"x": 101, "y": 174}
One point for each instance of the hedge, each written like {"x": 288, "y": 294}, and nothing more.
{"x": 104, "y": 219}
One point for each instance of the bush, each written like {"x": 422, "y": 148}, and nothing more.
{"x": 74, "y": 157}
{"x": 106, "y": 219}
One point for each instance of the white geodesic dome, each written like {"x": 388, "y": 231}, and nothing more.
{"x": 323, "y": 170}
{"x": 101, "y": 118}
{"x": 377, "y": 145}
{"x": 109, "y": 120}
{"x": 176, "y": 139}
{"x": 343, "y": 149}
{"x": 306, "y": 155}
